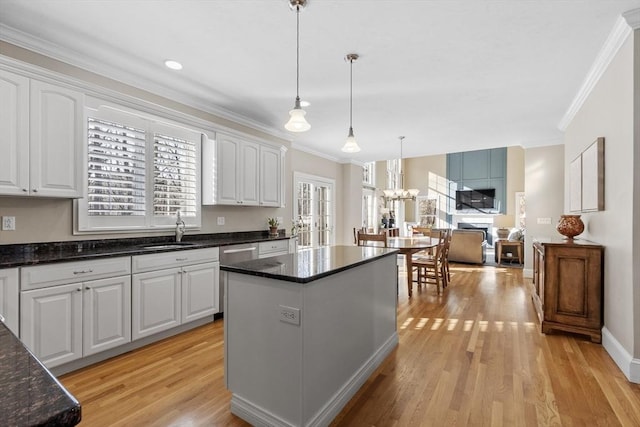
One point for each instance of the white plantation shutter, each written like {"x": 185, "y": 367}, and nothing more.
{"x": 141, "y": 170}
{"x": 175, "y": 176}
{"x": 116, "y": 169}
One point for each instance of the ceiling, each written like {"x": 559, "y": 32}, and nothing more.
{"x": 449, "y": 75}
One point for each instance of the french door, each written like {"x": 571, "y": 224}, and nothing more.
{"x": 314, "y": 210}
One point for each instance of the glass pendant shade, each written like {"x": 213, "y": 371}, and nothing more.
{"x": 297, "y": 122}
{"x": 350, "y": 145}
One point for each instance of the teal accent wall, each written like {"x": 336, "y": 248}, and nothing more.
{"x": 472, "y": 170}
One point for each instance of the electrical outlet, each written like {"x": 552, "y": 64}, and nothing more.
{"x": 544, "y": 221}
{"x": 8, "y": 223}
{"x": 220, "y": 220}
{"x": 289, "y": 314}
{"x": 279, "y": 219}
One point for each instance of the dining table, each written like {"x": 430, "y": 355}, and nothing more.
{"x": 408, "y": 246}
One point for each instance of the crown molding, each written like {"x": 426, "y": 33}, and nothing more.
{"x": 305, "y": 149}
{"x": 139, "y": 80}
{"x": 624, "y": 25}
{"x": 633, "y": 18}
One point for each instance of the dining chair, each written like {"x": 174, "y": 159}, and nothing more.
{"x": 372, "y": 239}
{"x": 431, "y": 267}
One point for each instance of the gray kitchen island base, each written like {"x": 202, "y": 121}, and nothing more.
{"x": 297, "y": 350}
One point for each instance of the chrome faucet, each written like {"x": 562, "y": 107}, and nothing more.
{"x": 179, "y": 227}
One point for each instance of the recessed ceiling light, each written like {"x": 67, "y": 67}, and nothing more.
{"x": 304, "y": 103}
{"x": 174, "y": 65}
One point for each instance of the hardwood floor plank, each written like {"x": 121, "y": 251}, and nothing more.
{"x": 473, "y": 356}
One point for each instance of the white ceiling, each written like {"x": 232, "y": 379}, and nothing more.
{"x": 449, "y": 75}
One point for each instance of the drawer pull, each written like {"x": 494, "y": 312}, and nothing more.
{"x": 181, "y": 259}
{"x": 83, "y": 272}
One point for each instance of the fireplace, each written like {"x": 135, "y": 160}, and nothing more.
{"x": 478, "y": 226}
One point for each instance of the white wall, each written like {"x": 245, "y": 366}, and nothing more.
{"x": 609, "y": 112}
{"x": 544, "y": 193}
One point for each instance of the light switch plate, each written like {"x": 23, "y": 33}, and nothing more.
{"x": 220, "y": 220}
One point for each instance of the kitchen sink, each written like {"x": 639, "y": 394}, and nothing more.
{"x": 170, "y": 245}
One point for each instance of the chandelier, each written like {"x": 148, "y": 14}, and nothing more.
{"x": 400, "y": 193}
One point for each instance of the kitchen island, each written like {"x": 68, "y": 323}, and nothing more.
{"x": 304, "y": 331}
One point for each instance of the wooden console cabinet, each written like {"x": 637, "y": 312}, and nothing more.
{"x": 568, "y": 286}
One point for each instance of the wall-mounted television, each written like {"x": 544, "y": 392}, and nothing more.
{"x": 475, "y": 199}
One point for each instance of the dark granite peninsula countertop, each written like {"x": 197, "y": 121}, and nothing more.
{"x": 29, "y": 394}
{"x": 16, "y": 255}
{"x": 308, "y": 265}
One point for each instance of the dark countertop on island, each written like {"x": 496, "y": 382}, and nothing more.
{"x": 308, "y": 265}
{"x": 16, "y": 255}
{"x": 29, "y": 394}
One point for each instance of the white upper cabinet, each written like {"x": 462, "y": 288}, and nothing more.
{"x": 271, "y": 162}
{"x": 14, "y": 134}
{"x": 41, "y": 138}
{"x": 57, "y": 143}
{"x": 241, "y": 172}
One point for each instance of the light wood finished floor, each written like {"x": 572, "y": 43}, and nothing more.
{"x": 473, "y": 356}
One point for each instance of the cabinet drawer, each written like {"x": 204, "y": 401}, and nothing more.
{"x": 41, "y": 276}
{"x": 159, "y": 261}
{"x": 272, "y": 247}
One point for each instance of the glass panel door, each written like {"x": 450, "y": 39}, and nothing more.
{"x": 315, "y": 209}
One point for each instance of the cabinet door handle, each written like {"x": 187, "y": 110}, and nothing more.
{"x": 83, "y": 271}
{"x": 88, "y": 288}
{"x": 79, "y": 290}
{"x": 25, "y": 190}
{"x": 35, "y": 190}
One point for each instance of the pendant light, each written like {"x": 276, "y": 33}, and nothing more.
{"x": 297, "y": 122}
{"x": 401, "y": 193}
{"x": 350, "y": 145}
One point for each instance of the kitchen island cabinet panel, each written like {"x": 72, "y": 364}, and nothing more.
{"x": 304, "y": 331}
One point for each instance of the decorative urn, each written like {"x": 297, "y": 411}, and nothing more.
{"x": 570, "y": 226}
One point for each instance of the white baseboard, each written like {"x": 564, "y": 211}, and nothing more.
{"x": 258, "y": 416}
{"x": 629, "y": 366}
{"x": 527, "y": 273}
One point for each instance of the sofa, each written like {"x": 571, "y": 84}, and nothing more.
{"x": 468, "y": 246}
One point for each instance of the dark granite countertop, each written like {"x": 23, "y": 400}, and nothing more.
{"x": 40, "y": 253}
{"x": 308, "y": 265}
{"x": 30, "y": 395}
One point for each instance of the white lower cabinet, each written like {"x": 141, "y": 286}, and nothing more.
{"x": 64, "y": 323}
{"x": 61, "y": 322}
{"x": 51, "y": 323}
{"x": 155, "y": 302}
{"x": 164, "y": 298}
{"x": 106, "y": 314}
{"x": 273, "y": 248}
{"x": 199, "y": 297}
{"x": 9, "y": 297}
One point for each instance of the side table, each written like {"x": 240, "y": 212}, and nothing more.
{"x": 515, "y": 247}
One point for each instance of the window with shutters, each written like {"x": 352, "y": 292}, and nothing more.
{"x": 140, "y": 173}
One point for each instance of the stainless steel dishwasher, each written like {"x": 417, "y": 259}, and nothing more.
{"x": 231, "y": 254}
